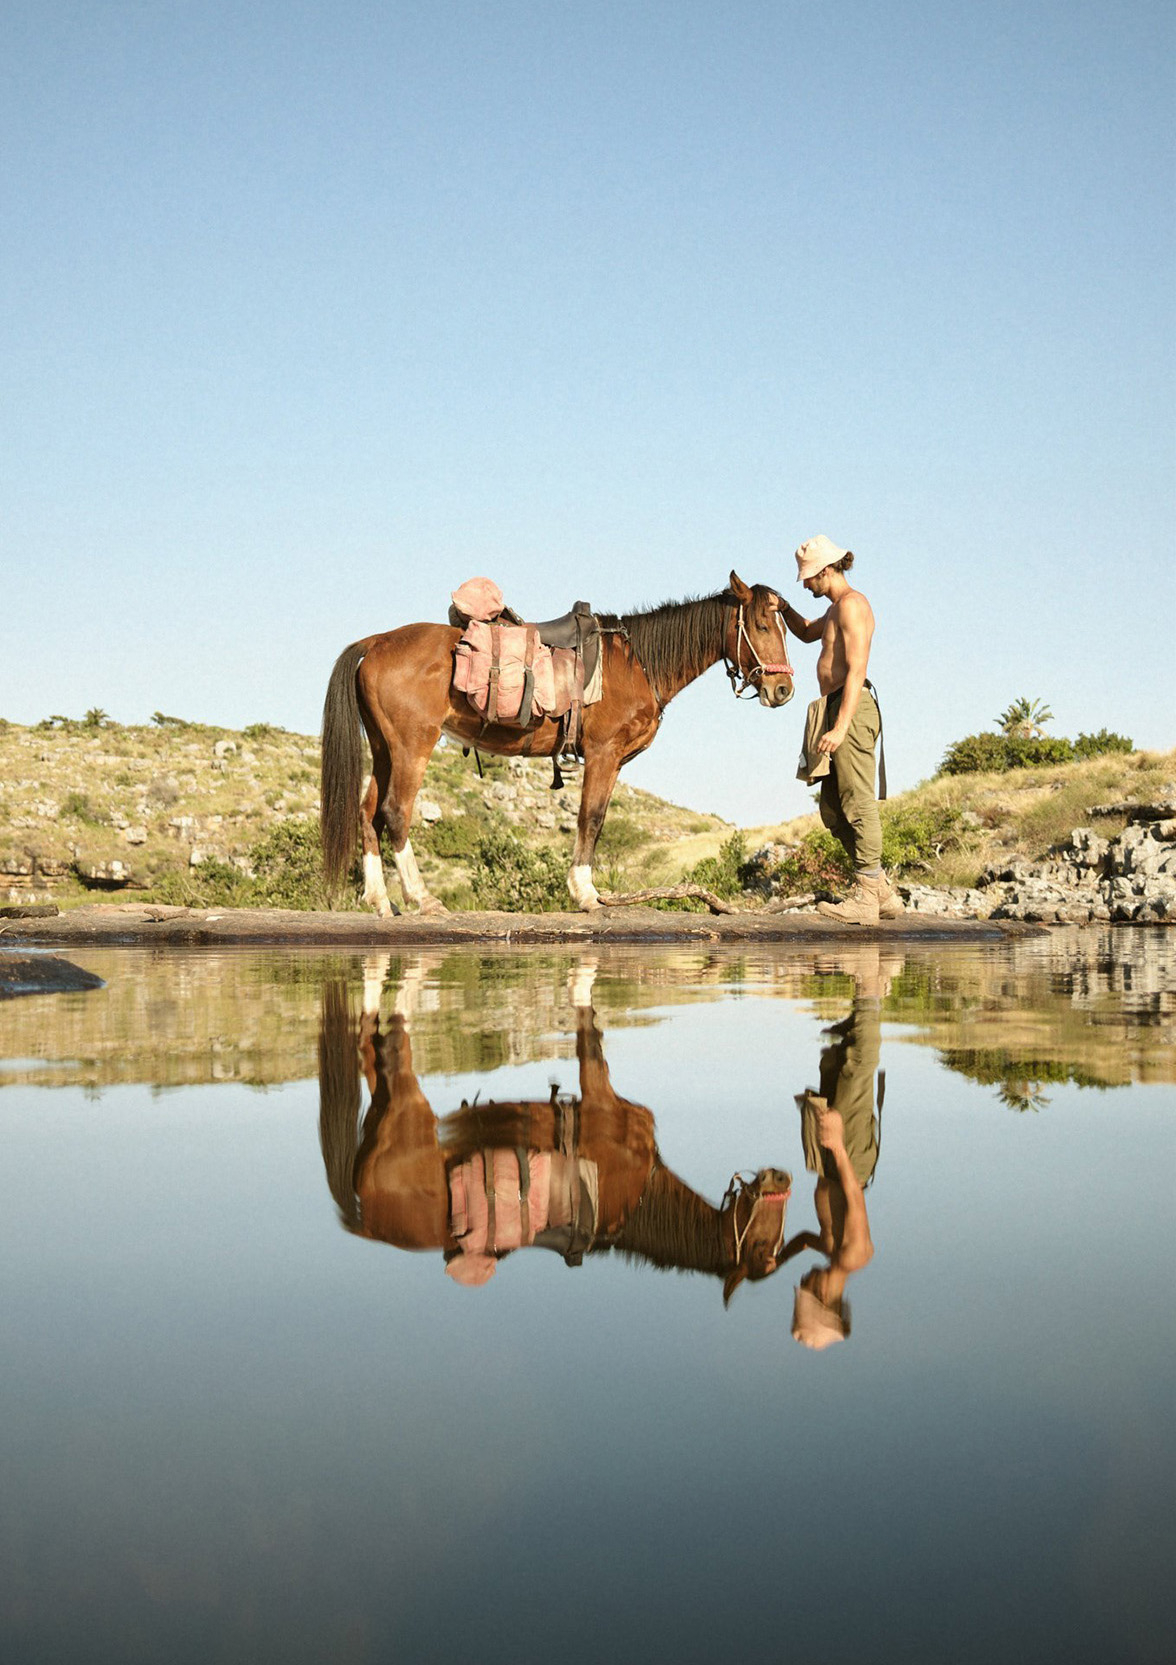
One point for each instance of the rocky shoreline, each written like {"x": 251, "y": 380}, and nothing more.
{"x": 1127, "y": 878}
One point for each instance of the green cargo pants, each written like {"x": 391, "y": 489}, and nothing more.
{"x": 849, "y": 1074}
{"x": 848, "y": 805}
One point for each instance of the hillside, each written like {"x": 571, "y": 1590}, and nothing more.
{"x": 178, "y": 811}
{"x": 155, "y": 811}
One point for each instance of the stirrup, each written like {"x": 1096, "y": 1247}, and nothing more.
{"x": 569, "y": 760}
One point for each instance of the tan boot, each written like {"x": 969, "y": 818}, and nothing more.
{"x": 861, "y": 906}
{"x": 890, "y": 903}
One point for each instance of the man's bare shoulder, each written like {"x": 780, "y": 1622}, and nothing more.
{"x": 852, "y": 607}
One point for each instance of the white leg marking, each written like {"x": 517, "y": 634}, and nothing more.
{"x": 580, "y": 983}
{"x": 409, "y": 874}
{"x": 375, "y": 973}
{"x": 409, "y": 991}
{"x": 582, "y": 889}
{"x": 375, "y": 891}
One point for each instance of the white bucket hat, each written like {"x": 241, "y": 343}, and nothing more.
{"x": 815, "y": 555}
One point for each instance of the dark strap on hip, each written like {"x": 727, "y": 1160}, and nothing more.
{"x": 881, "y": 744}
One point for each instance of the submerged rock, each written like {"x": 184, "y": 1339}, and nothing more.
{"x": 42, "y": 974}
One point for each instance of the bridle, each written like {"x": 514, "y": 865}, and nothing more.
{"x": 749, "y": 679}
{"x": 734, "y": 1194}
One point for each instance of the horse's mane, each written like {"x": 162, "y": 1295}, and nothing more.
{"x": 672, "y": 1227}
{"x": 676, "y": 640}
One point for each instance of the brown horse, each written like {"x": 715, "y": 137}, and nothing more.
{"x": 580, "y": 1175}
{"x": 399, "y": 687}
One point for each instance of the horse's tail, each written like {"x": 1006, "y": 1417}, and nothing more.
{"x": 342, "y": 765}
{"x": 339, "y": 1099}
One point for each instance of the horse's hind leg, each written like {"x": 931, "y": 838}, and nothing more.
{"x": 396, "y": 813}
{"x": 375, "y": 891}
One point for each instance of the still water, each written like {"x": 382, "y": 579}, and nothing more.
{"x": 537, "y": 1306}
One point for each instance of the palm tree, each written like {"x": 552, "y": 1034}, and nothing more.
{"x": 1025, "y": 719}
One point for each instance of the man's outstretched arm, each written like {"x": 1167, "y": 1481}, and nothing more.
{"x": 805, "y": 630}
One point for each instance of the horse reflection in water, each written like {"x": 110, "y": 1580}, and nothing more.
{"x": 579, "y": 1175}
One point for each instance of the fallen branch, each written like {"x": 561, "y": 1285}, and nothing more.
{"x": 668, "y": 893}
{"x": 784, "y": 904}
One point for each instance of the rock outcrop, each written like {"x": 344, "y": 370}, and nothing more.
{"x": 1126, "y": 878}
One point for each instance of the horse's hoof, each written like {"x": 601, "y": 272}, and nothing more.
{"x": 591, "y": 904}
{"x": 385, "y": 910}
{"x": 430, "y": 904}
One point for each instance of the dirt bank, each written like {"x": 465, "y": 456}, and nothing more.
{"x": 146, "y": 924}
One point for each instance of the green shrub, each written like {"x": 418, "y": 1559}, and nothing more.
{"x": 1095, "y": 745}
{"x": 287, "y": 866}
{"x": 287, "y": 873}
{"x": 1041, "y": 752}
{"x": 722, "y": 873}
{"x": 913, "y": 837}
{"x": 455, "y": 838}
{"x": 620, "y": 836}
{"x": 819, "y": 863}
{"x": 261, "y": 731}
{"x": 76, "y": 806}
{"x": 212, "y": 884}
{"x": 508, "y": 877}
{"x": 727, "y": 874}
{"x": 988, "y": 753}
{"x": 975, "y": 754}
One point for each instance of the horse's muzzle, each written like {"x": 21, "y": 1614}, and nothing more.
{"x": 776, "y": 696}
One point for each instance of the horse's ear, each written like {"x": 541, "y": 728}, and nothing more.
{"x": 740, "y": 590}
{"x": 731, "y": 1283}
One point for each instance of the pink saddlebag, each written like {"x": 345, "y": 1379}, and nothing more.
{"x": 496, "y": 666}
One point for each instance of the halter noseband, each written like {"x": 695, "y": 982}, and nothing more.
{"x": 735, "y": 1192}
{"x": 754, "y": 675}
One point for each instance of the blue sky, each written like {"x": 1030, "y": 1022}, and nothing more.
{"x": 311, "y": 311}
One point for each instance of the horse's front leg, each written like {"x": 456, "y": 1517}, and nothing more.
{"x": 600, "y": 776}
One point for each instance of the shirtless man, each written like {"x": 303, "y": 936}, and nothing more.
{"x": 849, "y": 807}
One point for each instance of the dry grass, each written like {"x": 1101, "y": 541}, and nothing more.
{"x": 1027, "y": 812}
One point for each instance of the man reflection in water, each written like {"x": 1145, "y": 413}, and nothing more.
{"x": 840, "y": 1132}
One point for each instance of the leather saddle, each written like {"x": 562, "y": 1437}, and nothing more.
{"x": 578, "y": 630}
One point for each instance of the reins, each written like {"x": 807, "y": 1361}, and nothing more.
{"x": 754, "y": 674}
